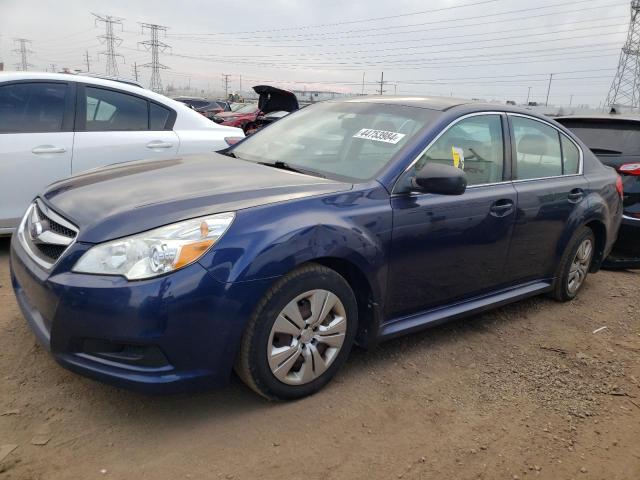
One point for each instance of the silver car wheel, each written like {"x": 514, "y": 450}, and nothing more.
{"x": 306, "y": 337}
{"x": 580, "y": 266}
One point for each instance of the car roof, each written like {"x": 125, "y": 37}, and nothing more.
{"x": 601, "y": 116}
{"x": 72, "y": 77}
{"x": 459, "y": 105}
{"x": 430, "y": 102}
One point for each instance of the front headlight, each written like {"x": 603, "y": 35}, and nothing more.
{"x": 157, "y": 251}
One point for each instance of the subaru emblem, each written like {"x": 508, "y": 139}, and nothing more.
{"x": 35, "y": 230}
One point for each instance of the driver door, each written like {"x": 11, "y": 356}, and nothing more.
{"x": 448, "y": 248}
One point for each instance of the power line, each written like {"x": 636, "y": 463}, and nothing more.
{"x": 373, "y": 52}
{"x": 426, "y": 39}
{"x": 155, "y": 46}
{"x": 365, "y": 20}
{"x": 23, "y": 51}
{"x": 352, "y": 63}
{"x": 110, "y": 41}
{"x": 626, "y": 83}
{"x": 387, "y": 27}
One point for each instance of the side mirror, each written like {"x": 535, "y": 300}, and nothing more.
{"x": 440, "y": 179}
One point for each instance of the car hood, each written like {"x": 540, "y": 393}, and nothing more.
{"x": 132, "y": 197}
{"x": 273, "y": 99}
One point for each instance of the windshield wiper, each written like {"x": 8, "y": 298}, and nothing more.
{"x": 285, "y": 166}
{"x": 604, "y": 151}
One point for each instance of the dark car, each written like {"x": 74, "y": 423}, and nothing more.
{"x": 274, "y": 103}
{"x": 615, "y": 140}
{"x": 208, "y": 108}
{"x": 347, "y": 221}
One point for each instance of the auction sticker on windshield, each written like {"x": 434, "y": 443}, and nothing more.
{"x": 379, "y": 135}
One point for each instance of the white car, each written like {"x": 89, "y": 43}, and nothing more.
{"x": 56, "y": 125}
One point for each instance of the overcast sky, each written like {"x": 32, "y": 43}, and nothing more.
{"x": 490, "y": 49}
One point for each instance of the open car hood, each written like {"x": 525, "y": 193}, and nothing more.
{"x": 275, "y": 99}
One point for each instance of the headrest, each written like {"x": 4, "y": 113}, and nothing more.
{"x": 533, "y": 144}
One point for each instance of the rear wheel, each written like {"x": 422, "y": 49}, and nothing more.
{"x": 574, "y": 265}
{"x": 299, "y": 335}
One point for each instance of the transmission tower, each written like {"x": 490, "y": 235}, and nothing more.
{"x": 23, "y": 51}
{"x": 624, "y": 90}
{"x": 110, "y": 41}
{"x": 155, "y": 46}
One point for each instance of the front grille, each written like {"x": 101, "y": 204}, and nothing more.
{"x": 55, "y": 226}
{"x": 52, "y": 252}
{"x": 45, "y": 235}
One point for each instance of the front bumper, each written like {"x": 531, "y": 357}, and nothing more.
{"x": 173, "y": 333}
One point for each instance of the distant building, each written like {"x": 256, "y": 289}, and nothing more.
{"x": 312, "y": 96}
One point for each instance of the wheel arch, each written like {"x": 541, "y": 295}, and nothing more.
{"x": 369, "y": 311}
{"x": 599, "y": 230}
{"x": 590, "y": 214}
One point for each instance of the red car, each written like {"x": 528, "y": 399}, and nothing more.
{"x": 240, "y": 117}
{"x": 273, "y": 103}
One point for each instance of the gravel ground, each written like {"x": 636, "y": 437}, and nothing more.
{"x": 525, "y": 391}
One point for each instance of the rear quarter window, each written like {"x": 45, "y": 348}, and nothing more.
{"x": 158, "y": 117}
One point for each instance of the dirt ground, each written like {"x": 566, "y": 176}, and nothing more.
{"x": 526, "y": 391}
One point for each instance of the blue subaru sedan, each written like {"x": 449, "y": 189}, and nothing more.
{"x": 346, "y": 222}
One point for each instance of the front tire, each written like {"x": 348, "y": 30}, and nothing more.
{"x": 574, "y": 265}
{"x": 299, "y": 335}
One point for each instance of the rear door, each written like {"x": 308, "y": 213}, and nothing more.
{"x": 547, "y": 170}
{"x": 448, "y": 248}
{"x": 36, "y": 142}
{"x": 114, "y": 126}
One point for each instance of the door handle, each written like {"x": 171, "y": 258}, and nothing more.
{"x": 159, "y": 144}
{"x": 501, "y": 208}
{"x": 575, "y": 195}
{"x": 44, "y": 149}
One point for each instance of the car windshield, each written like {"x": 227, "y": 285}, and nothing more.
{"x": 249, "y": 108}
{"x": 346, "y": 140}
{"x": 615, "y": 136}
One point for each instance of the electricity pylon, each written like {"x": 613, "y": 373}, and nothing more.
{"x": 624, "y": 90}
{"x": 23, "y": 51}
{"x": 155, "y": 46}
{"x": 110, "y": 41}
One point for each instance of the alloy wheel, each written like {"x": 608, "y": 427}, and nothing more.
{"x": 306, "y": 337}
{"x": 580, "y": 266}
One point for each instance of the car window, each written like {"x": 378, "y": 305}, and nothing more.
{"x": 32, "y": 107}
{"x": 570, "y": 156}
{"x": 610, "y": 136}
{"x": 538, "y": 152}
{"x": 108, "y": 110}
{"x": 474, "y": 144}
{"x": 350, "y": 140}
{"x": 158, "y": 117}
